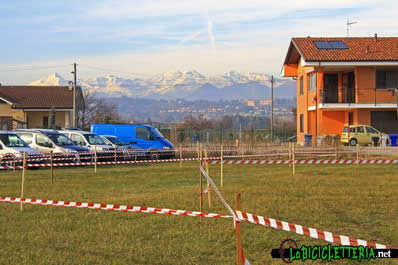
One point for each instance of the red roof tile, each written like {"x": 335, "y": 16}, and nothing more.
{"x": 59, "y": 97}
{"x": 359, "y": 49}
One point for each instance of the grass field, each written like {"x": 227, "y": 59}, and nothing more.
{"x": 360, "y": 202}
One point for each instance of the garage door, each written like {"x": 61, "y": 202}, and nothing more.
{"x": 385, "y": 121}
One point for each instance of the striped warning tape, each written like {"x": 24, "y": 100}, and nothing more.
{"x": 307, "y": 231}
{"x": 311, "y": 161}
{"x": 268, "y": 222}
{"x": 111, "y": 207}
{"x": 103, "y": 163}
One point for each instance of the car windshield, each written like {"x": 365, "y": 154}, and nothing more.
{"x": 155, "y": 133}
{"x": 60, "y": 139}
{"x": 94, "y": 139}
{"x": 12, "y": 140}
{"x": 117, "y": 141}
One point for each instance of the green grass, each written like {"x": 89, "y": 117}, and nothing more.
{"x": 360, "y": 202}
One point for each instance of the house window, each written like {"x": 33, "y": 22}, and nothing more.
{"x": 301, "y": 86}
{"x": 386, "y": 79}
{"x": 301, "y": 122}
{"x": 45, "y": 122}
{"x": 312, "y": 81}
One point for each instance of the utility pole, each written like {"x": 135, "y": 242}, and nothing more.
{"x": 272, "y": 108}
{"x": 74, "y": 125}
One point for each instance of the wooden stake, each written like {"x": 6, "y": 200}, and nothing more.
{"x": 294, "y": 164}
{"x": 238, "y": 234}
{"x": 115, "y": 156}
{"x": 52, "y": 167}
{"x": 23, "y": 178}
{"x": 222, "y": 159}
{"x": 180, "y": 156}
{"x": 290, "y": 153}
{"x": 95, "y": 159}
{"x": 208, "y": 185}
{"x": 200, "y": 180}
{"x": 357, "y": 154}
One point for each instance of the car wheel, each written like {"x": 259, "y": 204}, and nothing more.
{"x": 353, "y": 142}
{"x": 155, "y": 156}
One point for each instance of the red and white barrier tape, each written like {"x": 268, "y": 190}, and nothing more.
{"x": 102, "y": 163}
{"x": 268, "y": 222}
{"x": 311, "y": 161}
{"x": 111, "y": 207}
{"x": 307, "y": 231}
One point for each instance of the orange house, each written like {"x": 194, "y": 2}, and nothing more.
{"x": 343, "y": 81}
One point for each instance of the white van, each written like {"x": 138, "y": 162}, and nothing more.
{"x": 88, "y": 140}
{"x": 12, "y": 146}
{"x": 49, "y": 140}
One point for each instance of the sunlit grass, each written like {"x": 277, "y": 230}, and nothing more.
{"x": 360, "y": 202}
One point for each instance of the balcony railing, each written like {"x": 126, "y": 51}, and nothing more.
{"x": 361, "y": 95}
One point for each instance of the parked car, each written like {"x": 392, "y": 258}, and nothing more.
{"x": 144, "y": 137}
{"x": 124, "y": 149}
{"x": 12, "y": 148}
{"x": 50, "y": 140}
{"x": 362, "y": 135}
{"x": 91, "y": 141}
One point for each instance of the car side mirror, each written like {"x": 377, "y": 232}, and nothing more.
{"x": 1, "y": 147}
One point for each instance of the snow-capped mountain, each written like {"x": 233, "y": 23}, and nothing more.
{"x": 51, "y": 80}
{"x": 182, "y": 84}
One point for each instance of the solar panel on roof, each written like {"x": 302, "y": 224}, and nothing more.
{"x": 338, "y": 45}
{"x": 323, "y": 45}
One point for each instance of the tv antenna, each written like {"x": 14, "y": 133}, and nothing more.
{"x": 349, "y": 23}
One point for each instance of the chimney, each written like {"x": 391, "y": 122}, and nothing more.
{"x": 375, "y": 36}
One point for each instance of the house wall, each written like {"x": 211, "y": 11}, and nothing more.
{"x": 321, "y": 122}
{"x": 366, "y": 84}
{"x": 35, "y": 118}
{"x": 5, "y": 110}
{"x": 333, "y": 122}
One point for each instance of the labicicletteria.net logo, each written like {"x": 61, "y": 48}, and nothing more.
{"x": 289, "y": 251}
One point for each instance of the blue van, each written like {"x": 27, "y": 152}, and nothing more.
{"x": 139, "y": 136}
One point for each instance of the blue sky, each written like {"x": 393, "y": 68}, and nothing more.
{"x": 155, "y": 36}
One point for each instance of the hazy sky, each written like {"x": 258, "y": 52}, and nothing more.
{"x": 149, "y": 36}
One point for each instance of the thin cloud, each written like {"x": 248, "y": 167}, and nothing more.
{"x": 212, "y": 39}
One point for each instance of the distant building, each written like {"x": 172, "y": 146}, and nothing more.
{"x": 30, "y": 106}
{"x": 343, "y": 81}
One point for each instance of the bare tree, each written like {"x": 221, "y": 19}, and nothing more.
{"x": 97, "y": 110}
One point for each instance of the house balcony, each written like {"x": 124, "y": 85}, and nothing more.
{"x": 363, "y": 98}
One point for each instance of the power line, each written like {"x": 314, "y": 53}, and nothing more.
{"x": 34, "y": 68}
{"x": 115, "y": 71}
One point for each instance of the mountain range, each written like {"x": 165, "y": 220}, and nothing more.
{"x": 190, "y": 85}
